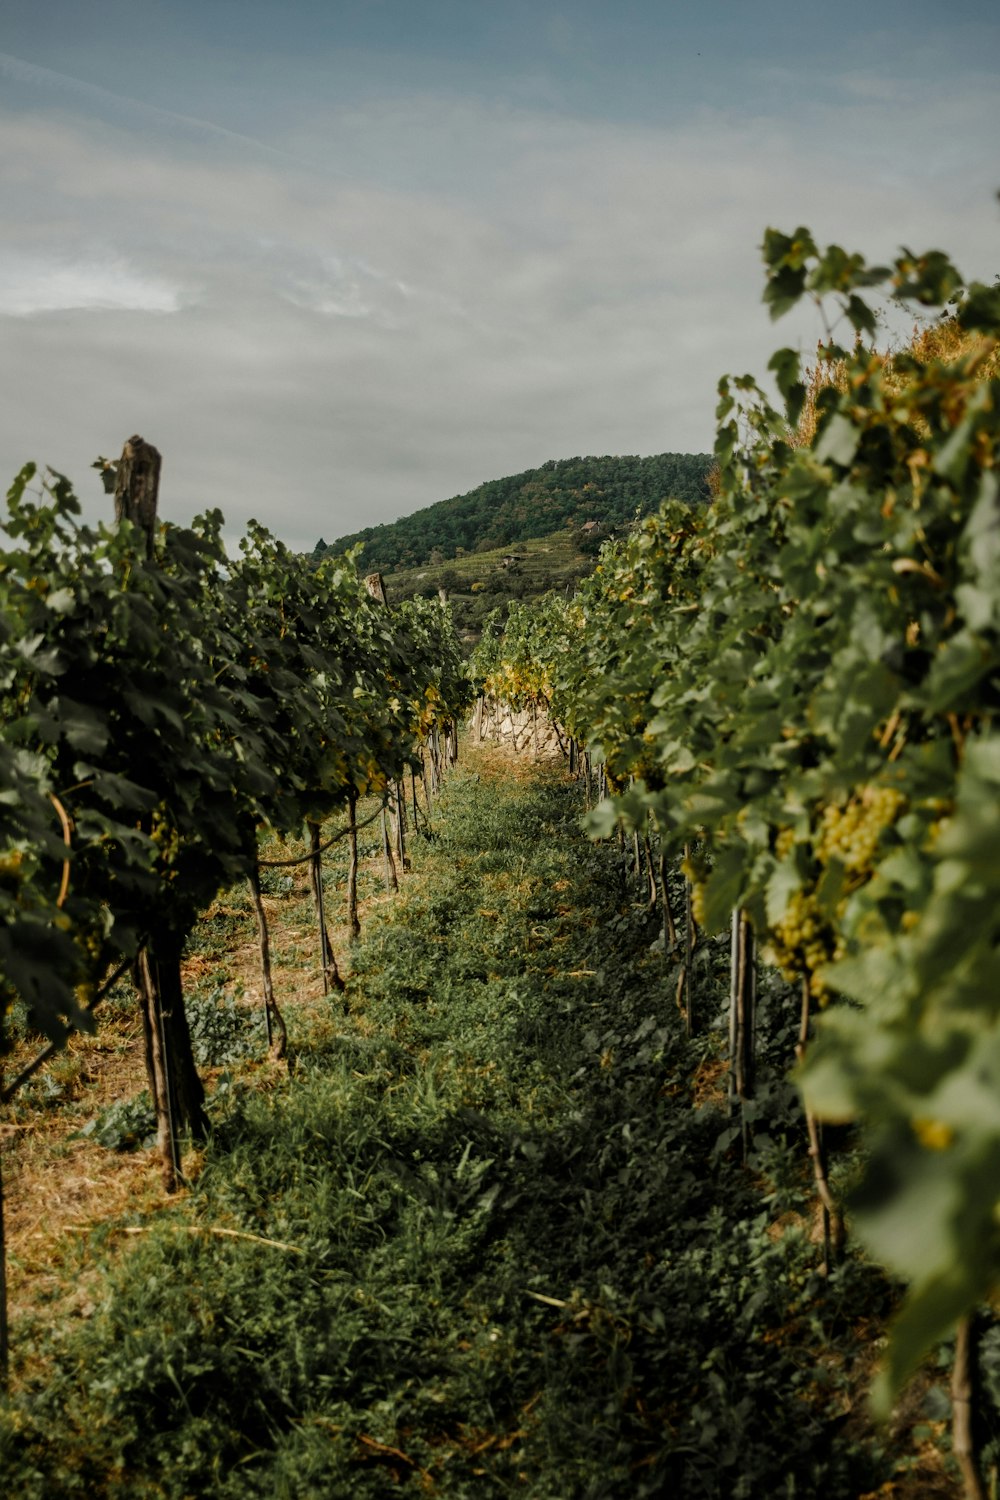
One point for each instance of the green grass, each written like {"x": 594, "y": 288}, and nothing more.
{"x": 508, "y": 1256}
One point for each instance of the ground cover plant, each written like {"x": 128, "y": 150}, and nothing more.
{"x": 486, "y": 1235}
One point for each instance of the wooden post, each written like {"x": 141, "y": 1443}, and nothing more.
{"x": 652, "y": 894}
{"x": 832, "y": 1219}
{"x": 690, "y": 940}
{"x": 963, "y": 1391}
{"x": 277, "y": 1034}
{"x": 375, "y": 584}
{"x": 4, "y": 1329}
{"x": 328, "y": 961}
{"x": 742, "y": 1018}
{"x": 352, "y": 870}
{"x": 669, "y": 927}
{"x": 137, "y": 488}
{"x": 158, "y": 1073}
{"x": 176, "y": 1089}
{"x": 388, "y": 863}
{"x": 399, "y": 813}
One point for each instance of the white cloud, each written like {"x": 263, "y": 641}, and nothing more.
{"x": 40, "y": 284}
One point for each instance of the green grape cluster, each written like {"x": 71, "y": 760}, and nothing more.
{"x": 693, "y": 868}
{"x": 851, "y": 834}
{"x": 803, "y": 939}
{"x": 784, "y": 842}
{"x": 12, "y": 866}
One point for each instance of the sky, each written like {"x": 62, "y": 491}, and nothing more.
{"x": 339, "y": 259}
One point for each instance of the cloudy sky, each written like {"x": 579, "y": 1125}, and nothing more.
{"x": 340, "y": 259}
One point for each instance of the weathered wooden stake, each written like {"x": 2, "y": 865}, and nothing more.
{"x": 388, "y": 863}
{"x": 173, "y": 1079}
{"x": 158, "y": 1072}
{"x": 963, "y": 1392}
{"x": 690, "y": 939}
{"x": 742, "y": 1019}
{"x": 277, "y": 1034}
{"x": 375, "y": 584}
{"x": 137, "y": 487}
{"x": 399, "y": 807}
{"x": 327, "y": 957}
{"x": 652, "y": 894}
{"x": 832, "y": 1220}
{"x": 4, "y": 1326}
{"x": 352, "y": 870}
{"x": 669, "y": 927}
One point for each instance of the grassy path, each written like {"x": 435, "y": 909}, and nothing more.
{"x": 479, "y": 1243}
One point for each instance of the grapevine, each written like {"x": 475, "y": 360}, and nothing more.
{"x": 803, "y": 683}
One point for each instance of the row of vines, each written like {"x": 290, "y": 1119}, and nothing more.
{"x": 162, "y": 705}
{"x": 797, "y": 690}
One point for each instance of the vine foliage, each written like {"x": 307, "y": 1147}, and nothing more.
{"x": 802, "y": 685}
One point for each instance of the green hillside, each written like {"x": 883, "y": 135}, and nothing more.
{"x": 477, "y": 582}
{"x": 502, "y": 512}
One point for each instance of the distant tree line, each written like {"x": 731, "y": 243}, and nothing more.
{"x": 563, "y": 492}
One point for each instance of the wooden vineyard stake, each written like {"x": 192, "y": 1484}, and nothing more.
{"x": 388, "y": 863}
{"x": 832, "y": 1220}
{"x": 277, "y": 1034}
{"x": 399, "y": 822}
{"x": 352, "y": 870}
{"x": 413, "y": 790}
{"x": 653, "y": 894}
{"x": 669, "y": 927}
{"x": 163, "y": 967}
{"x": 742, "y": 1019}
{"x": 137, "y": 486}
{"x": 178, "y": 1096}
{"x": 690, "y": 941}
{"x": 375, "y": 585}
{"x": 327, "y": 958}
{"x": 4, "y": 1326}
{"x": 963, "y": 1405}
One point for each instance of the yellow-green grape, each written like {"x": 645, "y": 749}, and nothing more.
{"x": 698, "y": 902}
{"x": 851, "y": 834}
{"x": 164, "y": 835}
{"x": 784, "y": 843}
{"x": 802, "y": 938}
{"x": 693, "y": 866}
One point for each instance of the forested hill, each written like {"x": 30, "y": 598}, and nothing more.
{"x": 501, "y": 512}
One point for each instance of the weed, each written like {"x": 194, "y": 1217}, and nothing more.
{"x": 126, "y": 1125}
{"x": 223, "y": 1032}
